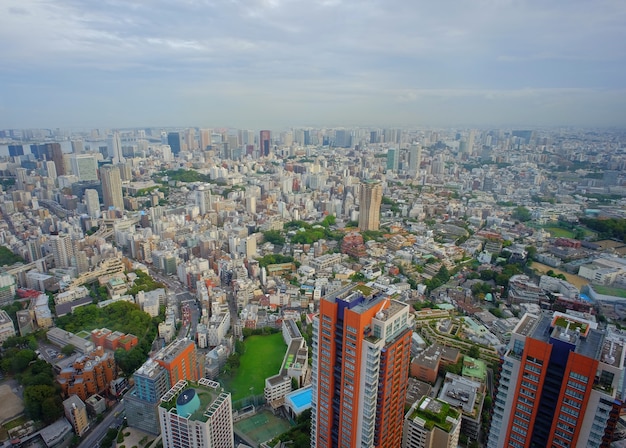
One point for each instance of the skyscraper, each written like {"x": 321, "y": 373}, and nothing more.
{"x": 415, "y": 158}
{"x": 560, "y": 385}
{"x": 264, "y": 143}
{"x": 92, "y": 201}
{"x": 175, "y": 141}
{"x": 55, "y": 153}
{"x": 196, "y": 415}
{"x": 361, "y": 354}
{"x": 371, "y": 197}
{"x": 16, "y": 150}
{"x": 393, "y": 158}
{"x": 111, "y": 187}
{"x": 115, "y": 148}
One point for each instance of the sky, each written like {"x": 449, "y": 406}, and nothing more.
{"x": 282, "y": 63}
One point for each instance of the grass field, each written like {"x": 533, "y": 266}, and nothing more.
{"x": 263, "y": 358}
{"x": 608, "y": 291}
{"x": 558, "y": 232}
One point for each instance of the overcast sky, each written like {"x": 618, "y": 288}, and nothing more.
{"x": 282, "y": 63}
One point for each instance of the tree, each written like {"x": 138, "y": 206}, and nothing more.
{"x": 274, "y": 237}
{"x": 474, "y": 352}
{"x": 68, "y": 349}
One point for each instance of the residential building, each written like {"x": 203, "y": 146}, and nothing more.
{"x": 361, "y": 350}
{"x": 179, "y": 359}
{"x": 560, "y": 385}
{"x": 265, "y": 143}
{"x": 431, "y": 423}
{"x": 76, "y": 414}
{"x": 371, "y": 197}
{"x": 111, "y": 187}
{"x": 89, "y": 374}
{"x": 196, "y": 415}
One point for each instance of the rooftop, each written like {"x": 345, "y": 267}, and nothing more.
{"x": 434, "y": 412}
{"x": 209, "y": 392}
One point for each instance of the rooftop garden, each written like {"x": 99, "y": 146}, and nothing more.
{"x": 573, "y": 324}
{"x": 435, "y": 414}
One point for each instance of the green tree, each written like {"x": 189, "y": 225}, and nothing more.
{"x": 68, "y": 349}
{"x": 274, "y": 237}
{"x": 521, "y": 214}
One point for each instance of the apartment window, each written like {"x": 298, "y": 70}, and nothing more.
{"x": 579, "y": 377}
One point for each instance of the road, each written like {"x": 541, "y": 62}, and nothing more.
{"x": 97, "y": 433}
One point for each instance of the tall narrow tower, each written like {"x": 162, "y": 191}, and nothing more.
{"x": 361, "y": 355}
{"x": 369, "y": 205}
{"x": 111, "y": 187}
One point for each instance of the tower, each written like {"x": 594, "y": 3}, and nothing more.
{"x": 371, "y": 197}
{"x": 264, "y": 143}
{"x": 560, "y": 384}
{"x": 197, "y": 415}
{"x": 361, "y": 355}
{"x": 111, "y": 187}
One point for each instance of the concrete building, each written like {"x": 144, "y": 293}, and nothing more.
{"x": 431, "y": 423}
{"x": 7, "y": 329}
{"x": 371, "y": 197}
{"x": 76, "y": 414}
{"x": 196, "y": 415}
{"x": 151, "y": 383}
{"x": 561, "y": 384}
{"x": 361, "y": 353}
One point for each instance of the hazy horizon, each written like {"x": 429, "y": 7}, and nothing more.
{"x": 277, "y": 63}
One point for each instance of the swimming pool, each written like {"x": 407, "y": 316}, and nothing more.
{"x": 300, "y": 399}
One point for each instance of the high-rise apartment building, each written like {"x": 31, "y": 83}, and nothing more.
{"x": 179, "y": 359}
{"x": 151, "y": 383}
{"x": 196, "y": 415}
{"x": 265, "y": 140}
{"x": 55, "y": 154}
{"x": 112, "y": 187}
{"x": 360, "y": 366}
{"x": 205, "y": 138}
{"x": 560, "y": 385}
{"x": 415, "y": 158}
{"x": 62, "y": 250}
{"x": 371, "y": 197}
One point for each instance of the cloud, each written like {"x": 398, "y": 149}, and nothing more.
{"x": 247, "y": 52}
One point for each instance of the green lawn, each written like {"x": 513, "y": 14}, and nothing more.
{"x": 608, "y": 291}
{"x": 263, "y": 358}
{"x": 558, "y": 232}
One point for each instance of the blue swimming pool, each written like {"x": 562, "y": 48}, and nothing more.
{"x": 300, "y": 398}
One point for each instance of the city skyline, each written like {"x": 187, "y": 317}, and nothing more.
{"x": 269, "y": 64}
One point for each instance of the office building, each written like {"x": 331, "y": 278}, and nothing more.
{"x": 62, "y": 250}
{"x": 54, "y": 153}
{"x": 16, "y": 150}
{"x": 560, "y": 385}
{"x": 84, "y": 166}
{"x": 371, "y": 197}
{"x": 265, "y": 138}
{"x": 76, "y": 414}
{"x": 205, "y": 138}
{"x": 360, "y": 365}
{"x": 179, "y": 359}
{"x": 92, "y": 202}
{"x": 111, "y": 187}
{"x": 151, "y": 383}
{"x": 393, "y": 159}
{"x": 196, "y": 415}
{"x": 175, "y": 141}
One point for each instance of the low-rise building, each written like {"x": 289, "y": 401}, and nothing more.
{"x": 7, "y": 329}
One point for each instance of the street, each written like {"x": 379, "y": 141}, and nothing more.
{"x": 114, "y": 418}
